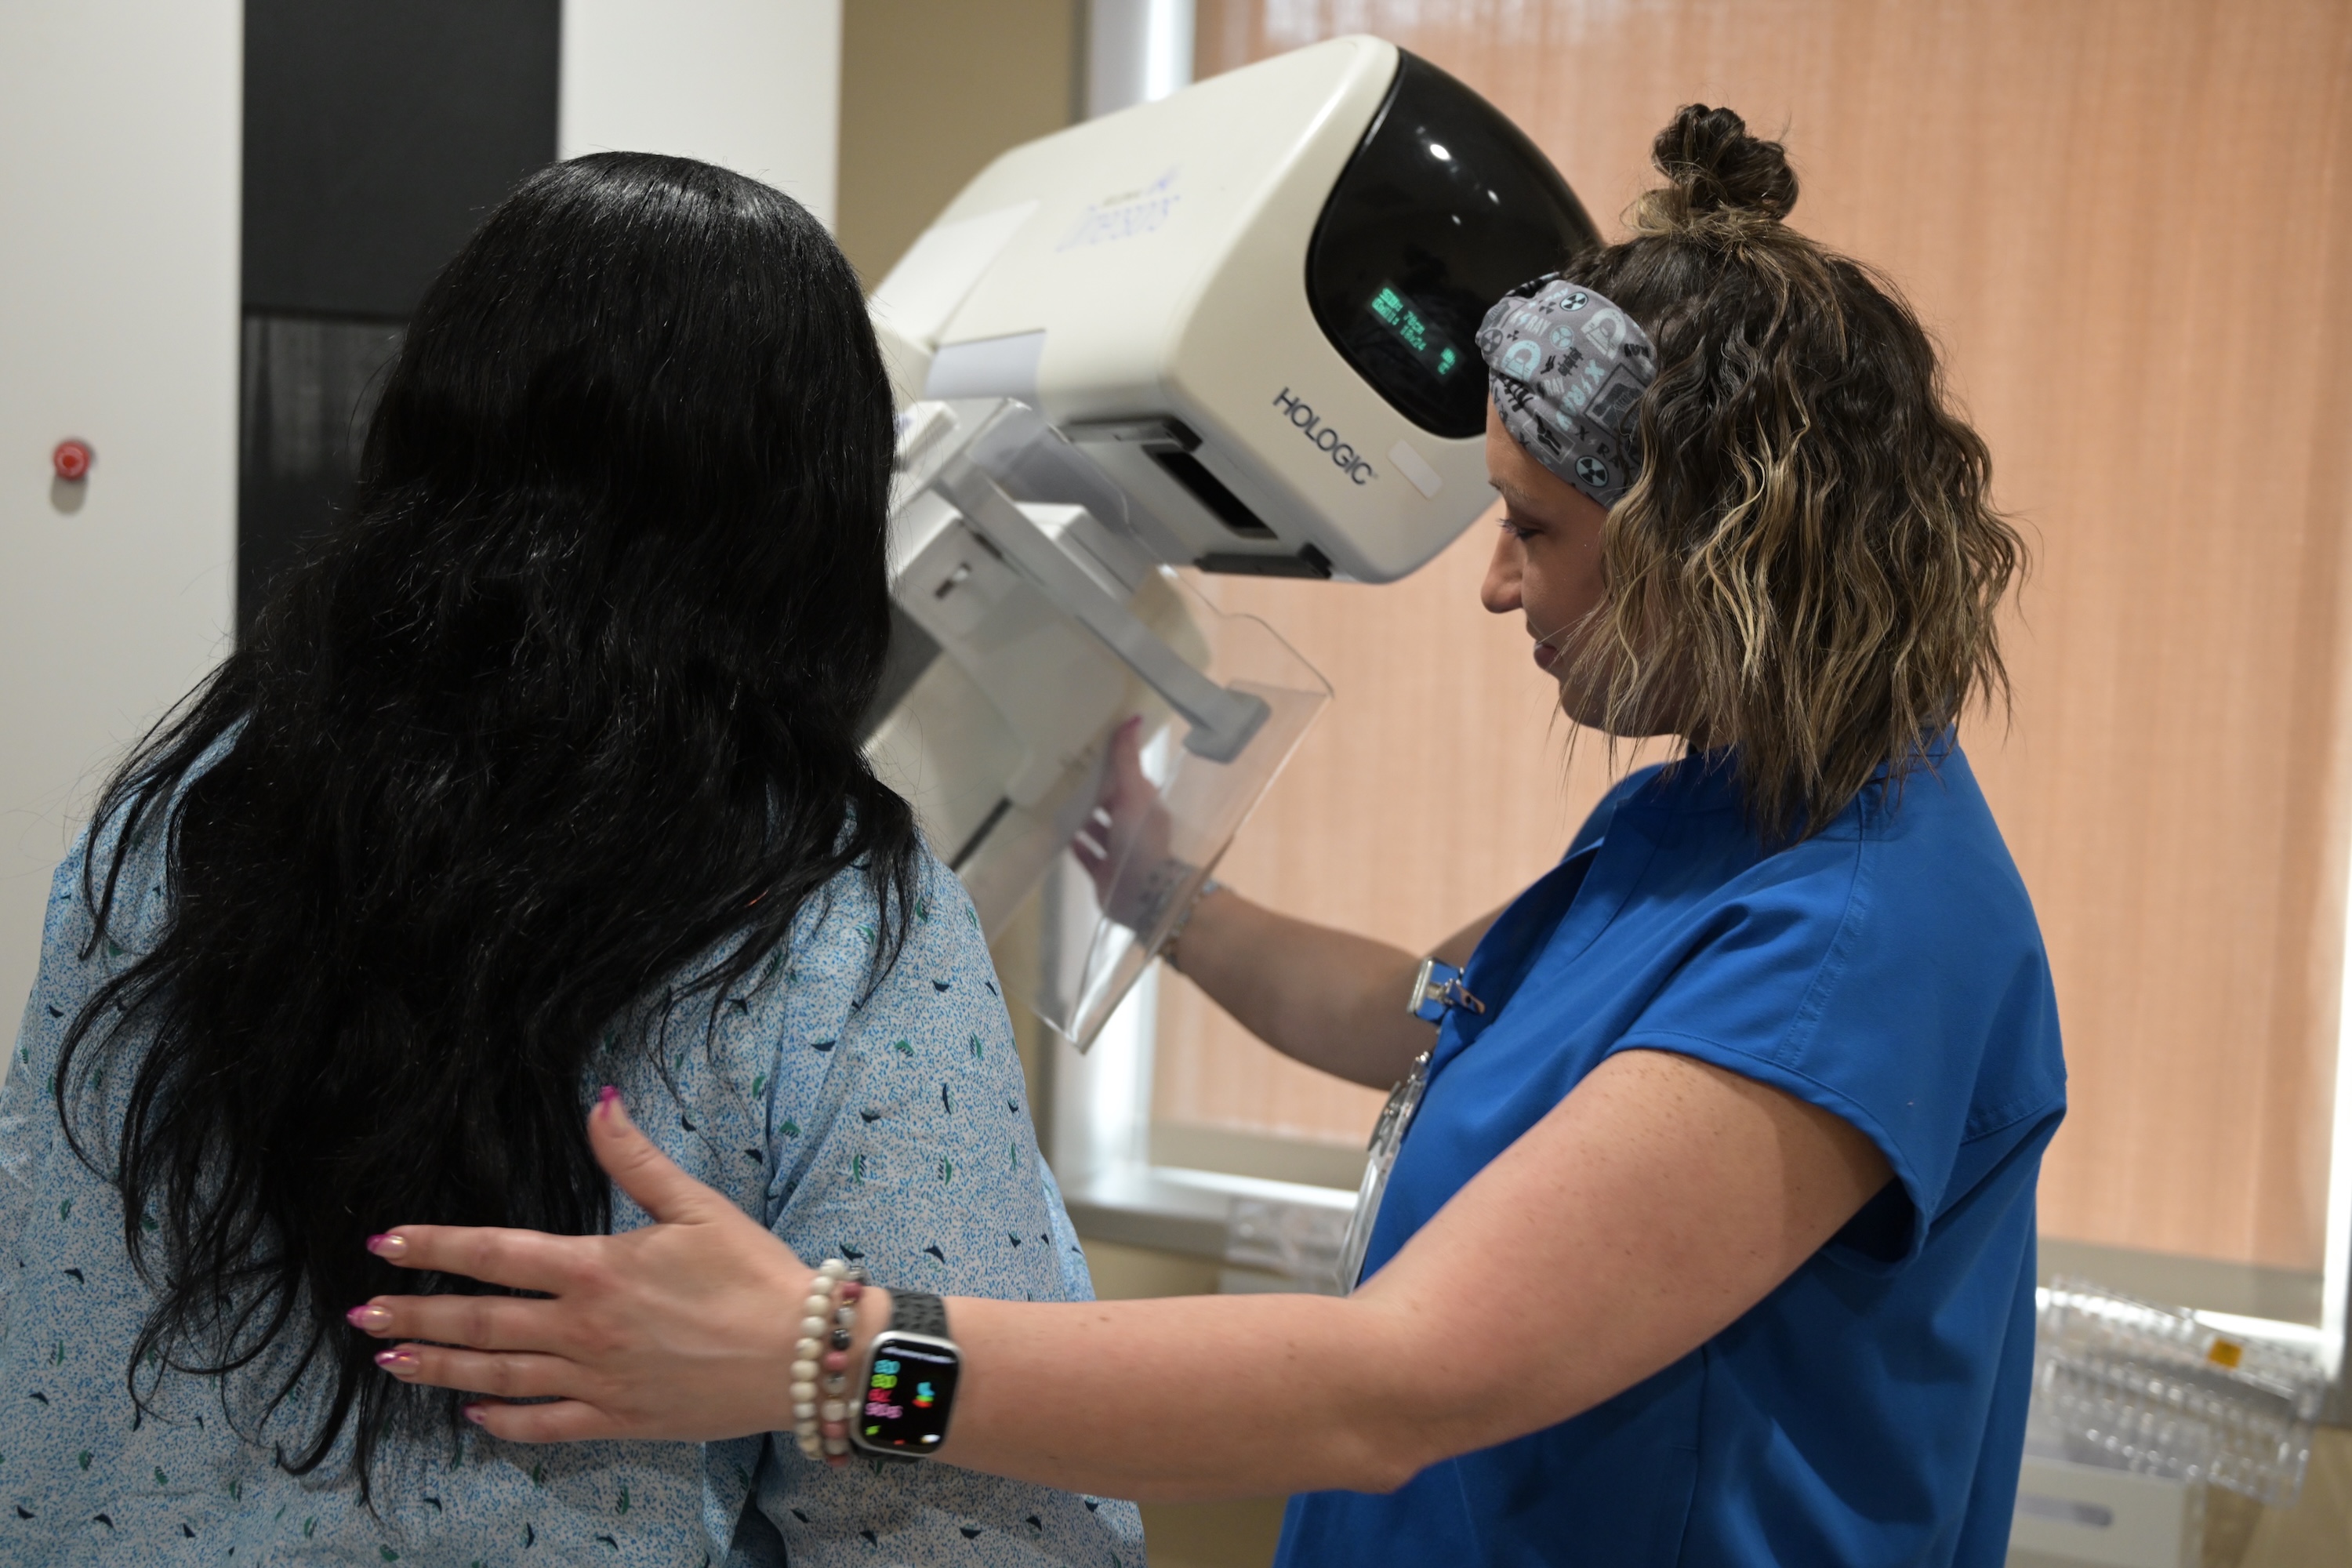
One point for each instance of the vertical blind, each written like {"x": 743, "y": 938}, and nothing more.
{"x": 2129, "y": 225}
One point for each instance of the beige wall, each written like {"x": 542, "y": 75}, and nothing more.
{"x": 929, "y": 92}
{"x": 750, "y": 85}
{"x": 2129, "y": 222}
{"x": 118, "y": 325}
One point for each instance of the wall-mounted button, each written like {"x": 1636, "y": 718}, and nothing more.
{"x": 72, "y": 460}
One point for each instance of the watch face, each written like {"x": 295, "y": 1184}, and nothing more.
{"x": 908, "y": 1393}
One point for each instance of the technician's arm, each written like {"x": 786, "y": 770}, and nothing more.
{"x": 1331, "y": 998}
{"x": 1653, "y": 1206}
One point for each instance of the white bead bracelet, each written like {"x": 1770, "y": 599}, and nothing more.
{"x": 821, "y": 1361}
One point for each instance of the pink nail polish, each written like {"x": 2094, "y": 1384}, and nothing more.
{"x": 368, "y": 1317}
{"x": 388, "y": 1247}
{"x": 474, "y": 1414}
{"x": 396, "y": 1360}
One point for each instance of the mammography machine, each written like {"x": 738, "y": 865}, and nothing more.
{"x": 1228, "y": 330}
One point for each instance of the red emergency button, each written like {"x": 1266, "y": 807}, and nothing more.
{"x": 72, "y": 460}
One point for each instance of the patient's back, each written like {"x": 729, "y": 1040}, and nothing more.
{"x": 890, "y": 1127}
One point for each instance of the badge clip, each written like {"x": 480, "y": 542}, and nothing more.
{"x": 1437, "y": 989}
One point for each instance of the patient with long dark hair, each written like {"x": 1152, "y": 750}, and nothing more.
{"x": 542, "y": 772}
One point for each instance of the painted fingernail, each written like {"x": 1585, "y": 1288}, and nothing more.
{"x": 390, "y": 1246}
{"x": 371, "y": 1318}
{"x": 396, "y": 1360}
{"x": 606, "y": 1096}
{"x": 473, "y": 1413}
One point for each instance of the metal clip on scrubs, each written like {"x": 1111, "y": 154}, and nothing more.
{"x": 1437, "y": 989}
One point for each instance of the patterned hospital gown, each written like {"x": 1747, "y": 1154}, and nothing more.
{"x": 895, "y": 1130}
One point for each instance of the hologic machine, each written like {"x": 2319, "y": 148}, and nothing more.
{"x": 1228, "y": 330}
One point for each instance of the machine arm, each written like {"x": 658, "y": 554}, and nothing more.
{"x": 1220, "y": 721}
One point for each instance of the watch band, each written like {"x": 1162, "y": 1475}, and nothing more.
{"x": 917, "y": 1312}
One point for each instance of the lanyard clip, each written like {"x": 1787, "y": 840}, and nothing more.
{"x": 1437, "y": 989}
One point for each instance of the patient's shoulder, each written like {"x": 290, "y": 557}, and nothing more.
{"x": 864, "y": 982}
{"x": 857, "y": 951}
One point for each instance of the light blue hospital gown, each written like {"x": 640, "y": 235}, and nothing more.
{"x": 895, "y": 1131}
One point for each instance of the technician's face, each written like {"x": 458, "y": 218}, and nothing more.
{"x": 1546, "y": 564}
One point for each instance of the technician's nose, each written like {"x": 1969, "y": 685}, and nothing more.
{"x": 1500, "y": 592}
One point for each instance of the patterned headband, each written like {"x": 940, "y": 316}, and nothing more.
{"x": 1566, "y": 367}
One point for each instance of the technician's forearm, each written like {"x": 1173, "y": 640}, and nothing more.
{"x": 1190, "y": 1397}
{"x": 1329, "y": 998}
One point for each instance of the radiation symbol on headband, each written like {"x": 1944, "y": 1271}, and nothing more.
{"x": 1576, "y": 302}
{"x": 1593, "y": 472}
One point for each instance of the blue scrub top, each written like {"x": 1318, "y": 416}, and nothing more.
{"x": 1872, "y": 1409}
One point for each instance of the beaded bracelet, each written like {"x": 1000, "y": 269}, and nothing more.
{"x": 821, "y": 1361}
{"x": 1168, "y": 943}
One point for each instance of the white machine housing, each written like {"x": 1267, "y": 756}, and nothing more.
{"x": 1185, "y": 289}
{"x": 1230, "y": 329}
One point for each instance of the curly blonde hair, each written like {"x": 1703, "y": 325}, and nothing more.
{"x": 1808, "y": 567}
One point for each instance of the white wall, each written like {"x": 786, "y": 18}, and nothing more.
{"x": 753, "y": 85}
{"x": 119, "y": 194}
{"x": 119, "y": 301}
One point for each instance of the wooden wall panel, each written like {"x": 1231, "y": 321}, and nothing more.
{"x": 2131, "y": 223}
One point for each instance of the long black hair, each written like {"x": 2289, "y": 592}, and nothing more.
{"x": 563, "y": 717}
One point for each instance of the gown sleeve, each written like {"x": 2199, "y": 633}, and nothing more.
{"x": 916, "y": 1156}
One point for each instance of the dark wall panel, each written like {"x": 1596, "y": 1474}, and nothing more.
{"x": 377, "y": 135}
{"x": 310, "y": 382}
{"x": 376, "y": 138}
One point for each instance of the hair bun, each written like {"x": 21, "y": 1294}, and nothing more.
{"x": 1716, "y": 166}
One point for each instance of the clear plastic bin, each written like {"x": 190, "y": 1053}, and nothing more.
{"x": 2153, "y": 1390}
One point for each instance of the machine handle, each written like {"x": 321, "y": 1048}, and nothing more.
{"x": 1222, "y": 720}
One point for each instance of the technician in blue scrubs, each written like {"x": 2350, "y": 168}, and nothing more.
{"x": 1713, "y": 1239}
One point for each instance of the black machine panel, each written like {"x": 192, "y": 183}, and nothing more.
{"x": 1445, "y": 207}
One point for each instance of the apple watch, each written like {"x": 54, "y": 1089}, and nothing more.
{"x": 910, "y": 1382}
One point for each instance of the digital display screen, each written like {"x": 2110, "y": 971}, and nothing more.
{"x": 1435, "y": 352}
{"x": 908, "y": 1395}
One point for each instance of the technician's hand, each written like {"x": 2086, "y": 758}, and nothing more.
{"x": 682, "y": 1330}
{"x": 1124, "y": 844}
